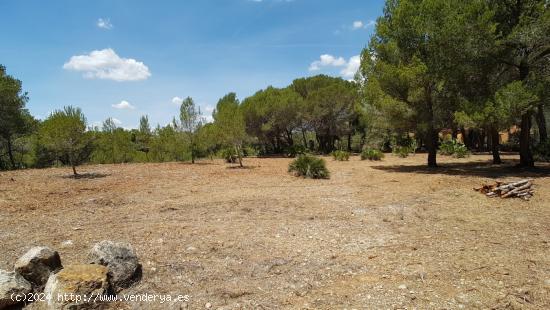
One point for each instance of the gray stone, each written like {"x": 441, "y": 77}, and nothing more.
{"x": 120, "y": 258}
{"x": 37, "y": 264}
{"x": 69, "y": 287}
{"x": 12, "y": 284}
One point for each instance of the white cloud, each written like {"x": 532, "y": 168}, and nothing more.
{"x": 326, "y": 60}
{"x": 208, "y": 109}
{"x": 104, "y": 23}
{"x": 177, "y": 100}
{"x": 123, "y": 105}
{"x": 348, "y": 68}
{"x": 116, "y": 121}
{"x": 106, "y": 64}
{"x": 351, "y": 67}
{"x": 358, "y": 24}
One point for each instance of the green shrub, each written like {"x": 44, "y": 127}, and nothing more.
{"x": 295, "y": 150}
{"x": 401, "y": 151}
{"x": 461, "y": 151}
{"x": 229, "y": 155}
{"x": 447, "y": 147}
{"x": 454, "y": 148}
{"x": 372, "y": 154}
{"x": 340, "y": 155}
{"x": 250, "y": 151}
{"x": 309, "y": 167}
{"x": 542, "y": 151}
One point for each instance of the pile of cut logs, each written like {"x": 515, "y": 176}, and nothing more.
{"x": 520, "y": 189}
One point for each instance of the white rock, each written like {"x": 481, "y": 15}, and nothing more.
{"x": 37, "y": 264}
{"x": 12, "y": 283}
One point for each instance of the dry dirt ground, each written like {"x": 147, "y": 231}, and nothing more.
{"x": 377, "y": 235}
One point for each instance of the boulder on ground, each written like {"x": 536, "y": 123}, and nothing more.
{"x": 37, "y": 264}
{"x": 12, "y": 284}
{"x": 77, "y": 287}
{"x": 120, "y": 258}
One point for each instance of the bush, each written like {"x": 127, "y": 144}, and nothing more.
{"x": 249, "y": 151}
{"x": 454, "y": 148}
{"x": 229, "y": 155}
{"x": 542, "y": 151}
{"x": 340, "y": 155}
{"x": 447, "y": 147}
{"x": 309, "y": 167}
{"x": 372, "y": 154}
{"x": 401, "y": 151}
{"x": 461, "y": 151}
{"x": 295, "y": 150}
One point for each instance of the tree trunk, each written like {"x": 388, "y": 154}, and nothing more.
{"x": 349, "y": 142}
{"x": 541, "y": 123}
{"x": 525, "y": 154}
{"x": 10, "y": 153}
{"x": 482, "y": 136}
{"x": 495, "y": 146}
{"x": 465, "y": 137}
{"x": 304, "y": 137}
{"x": 431, "y": 145}
{"x": 239, "y": 156}
{"x": 432, "y": 137}
{"x": 290, "y": 139}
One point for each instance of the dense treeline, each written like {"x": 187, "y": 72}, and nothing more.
{"x": 471, "y": 67}
{"x": 482, "y": 65}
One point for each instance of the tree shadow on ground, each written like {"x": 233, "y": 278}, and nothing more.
{"x": 475, "y": 168}
{"x": 201, "y": 163}
{"x": 239, "y": 167}
{"x": 91, "y": 175}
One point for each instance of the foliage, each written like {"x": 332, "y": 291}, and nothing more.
{"x": 272, "y": 115}
{"x": 229, "y": 121}
{"x": 64, "y": 133}
{"x": 340, "y": 155}
{"x": 15, "y": 120}
{"x": 542, "y": 151}
{"x": 453, "y": 147}
{"x": 330, "y": 108}
{"x": 295, "y": 150}
{"x": 229, "y": 155}
{"x": 401, "y": 151}
{"x": 371, "y": 154}
{"x": 461, "y": 151}
{"x": 309, "y": 167}
{"x": 249, "y": 151}
{"x": 191, "y": 121}
{"x": 412, "y": 71}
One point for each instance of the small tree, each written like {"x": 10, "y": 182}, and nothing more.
{"x": 229, "y": 122}
{"x": 64, "y": 132}
{"x": 144, "y": 135}
{"x": 14, "y": 118}
{"x": 191, "y": 121}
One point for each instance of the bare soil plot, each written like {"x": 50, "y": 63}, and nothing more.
{"x": 389, "y": 234}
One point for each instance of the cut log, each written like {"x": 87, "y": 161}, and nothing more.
{"x": 520, "y": 189}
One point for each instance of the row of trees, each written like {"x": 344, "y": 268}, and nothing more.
{"x": 313, "y": 113}
{"x": 475, "y": 66}
{"x": 436, "y": 64}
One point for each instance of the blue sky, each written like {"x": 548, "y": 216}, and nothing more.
{"x": 124, "y": 59}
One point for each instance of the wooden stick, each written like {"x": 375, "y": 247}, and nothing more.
{"x": 517, "y": 189}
